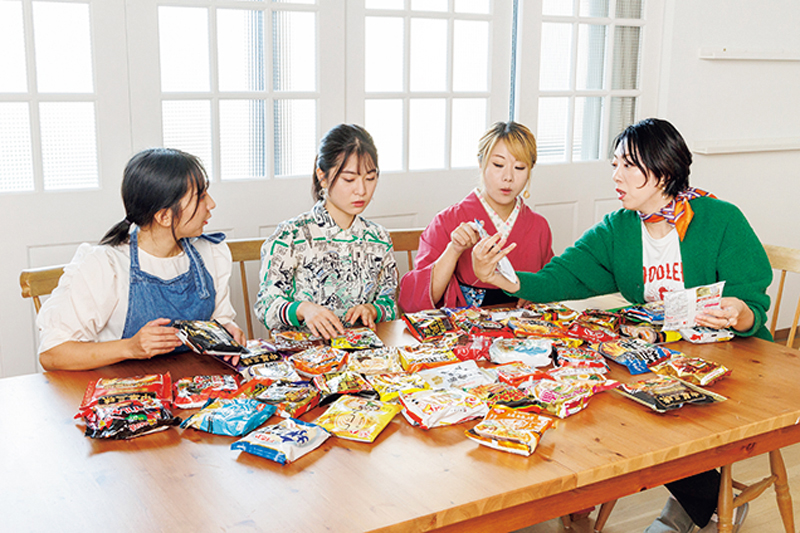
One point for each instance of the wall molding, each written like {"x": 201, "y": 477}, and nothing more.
{"x": 744, "y": 54}
{"x": 742, "y": 146}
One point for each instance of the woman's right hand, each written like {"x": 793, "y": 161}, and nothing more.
{"x": 320, "y": 320}
{"x": 465, "y": 236}
{"x": 155, "y": 338}
{"x": 485, "y": 256}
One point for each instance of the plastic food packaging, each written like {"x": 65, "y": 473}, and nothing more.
{"x": 290, "y": 398}
{"x": 532, "y": 352}
{"x": 354, "y": 418}
{"x": 428, "y": 324}
{"x": 516, "y": 373}
{"x": 699, "y": 335}
{"x": 192, "y": 392}
{"x": 435, "y": 408}
{"x": 635, "y": 354}
{"x": 390, "y": 385}
{"x": 104, "y": 391}
{"x": 331, "y": 385}
{"x": 692, "y": 369}
{"x": 499, "y": 393}
{"x": 277, "y": 370}
{"x": 510, "y": 430}
{"x": 230, "y": 416}
{"x": 463, "y": 375}
{"x": 318, "y": 360}
{"x": 284, "y": 442}
{"x": 477, "y": 322}
{"x": 357, "y": 339}
{"x": 292, "y": 340}
{"x": 375, "y": 361}
{"x": 208, "y": 337}
{"x": 564, "y": 398}
{"x": 664, "y": 393}
{"x": 425, "y": 355}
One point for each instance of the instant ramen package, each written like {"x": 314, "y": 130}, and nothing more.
{"x": 390, "y": 385}
{"x": 692, "y": 369}
{"x": 532, "y": 352}
{"x": 284, "y": 442}
{"x": 635, "y": 354}
{"x": 701, "y": 335}
{"x": 425, "y": 355}
{"x": 649, "y": 333}
{"x": 292, "y": 340}
{"x": 564, "y": 398}
{"x": 478, "y": 322}
{"x": 319, "y": 360}
{"x": 535, "y": 327}
{"x": 357, "y": 339}
{"x": 499, "y": 393}
{"x": 510, "y": 430}
{"x": 375, "y": 361}
{"x": 259, "y": 351}
{"x": 230, "y": 416}
{"x": 274, "y": 370}
{"x": 331, "y": 385}
{"x": 463, "y": 375}
{"x": 516, "y": 373}
{"x": 290, "y": 398}
{"x": 472, "y": 348}
{"x": 194, "y": 391}
{"x": 428, "y": 324}
{"x": 664, "y": 393}
{"x": 208, "y": 337}
{"x": 435, "y": 408}
{"x": 354, "y": 418}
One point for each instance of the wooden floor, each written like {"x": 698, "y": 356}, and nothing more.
{"x": 634, "y": 513}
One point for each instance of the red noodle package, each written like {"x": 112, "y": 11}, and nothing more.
{"x": 192, "y": 392}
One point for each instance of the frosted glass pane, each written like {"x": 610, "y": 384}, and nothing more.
{"x": 69, "y": 145}
{"x": 295, "y": 137}
{"x": 242, "y": 139}
{"x": 469, "y": 123}
{"x": 594, "y": 8}
{"x": 591, "y": 56}
{"x": 63, "y": 46}
{"x": 556, "y": 56}
{"x": 429, "y": 5}
{"x": 557, "y": 7}
{"x": 383, "y": 54}
{"x": 629, "y": 9}
{"x": 384, "y": 4}
{"x": 427, "y": 122}
{"x": 187, "y": 126}
{"x": 472, "y": 6}
{"x": 625, "y": 73}
{"x": 240, "y": 45}
{"x": 551, "y": 138}
{"x": 622, "y": 114}
{"x": 428, "y": 54}
{"x": 586, "y": 131}
{"x": 12, "y": 44}
{"x": 294, "y": 51}
{"x": 183, "y": 38}
{"x": 383, "y": 119}
{"x": 16, "y": 158}
{"x": 470, "y": 55}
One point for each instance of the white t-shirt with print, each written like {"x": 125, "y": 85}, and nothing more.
{"x": 663, "y": 265}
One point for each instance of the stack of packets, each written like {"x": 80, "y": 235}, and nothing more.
{"x": 123, "y": 408}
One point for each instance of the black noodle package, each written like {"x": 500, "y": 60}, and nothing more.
{"x": 208, "y": 337}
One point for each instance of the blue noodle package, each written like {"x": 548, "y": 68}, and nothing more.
{"x": 230, "y": 416}
{"x": 283, "y": 442}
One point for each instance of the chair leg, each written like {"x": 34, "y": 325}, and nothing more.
{"x": 567, "y": 521}
{"x": 725, "y": 501}
{"x": 603, "y": 514}
{"x": 782, "y": 494}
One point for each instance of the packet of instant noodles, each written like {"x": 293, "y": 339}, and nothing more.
{"x": 292, "y": 340}
{"x": 105, "y": 391}
{"x": 331, "y": 385}
{"x": 374, "y": 361}
{"x": 258, "y": 351}
{"x": 579, "y": 356}
{"x": 564, "y": 398}
{"x": 590, "y": 332}
{"x": 552, "y": 312}
{"x": 357, "y": 339}
{"x": 472, "y": 348}
{"x": 510, "y": 430}
{"x": 208, "y": 337}
{"x": 700, "y": 335}
{"x": 535, "y": 327}
{"x": 515, "y": 373}
{"x": 649, "y": 333}
{"x": 435, "y": 408}
{"x": 664, "y": 393}
{"x": 499, "y": 393}
{"x": 463, "y": 375}
{"x": 390, "y": 385}
{"x": 284, "y": 442}
{"x": 127, "y": 419}
{"x": 274, "y": 370}
{"x": 192, "y": 392}
{"x": 428, "y": 324}
{"x": 290, "y": 398}
{"x": 635, "y": 354}
{"x": 354, "y": 418}
{"x": 318, "y": 360}
{"x": 230, "y": 416}
{"x": 692, "y": 369}
{"x": 532, "y": 352}
{"x": 475, "y": 321}
{"x": 425, "y": 355}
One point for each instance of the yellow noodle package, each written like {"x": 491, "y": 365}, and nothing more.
{"x": 355, "y": 418}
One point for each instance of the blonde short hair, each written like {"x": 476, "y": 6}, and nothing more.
{"x": 518, "y": 139}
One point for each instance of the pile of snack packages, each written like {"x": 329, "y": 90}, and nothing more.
{"x": 537, "y": 362}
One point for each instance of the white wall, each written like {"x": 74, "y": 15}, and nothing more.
{"x": 739, "y": 103}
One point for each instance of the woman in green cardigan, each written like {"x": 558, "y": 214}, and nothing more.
{"x": 668, "y": 236}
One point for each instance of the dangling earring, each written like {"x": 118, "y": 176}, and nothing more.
{"x": 526, "y": 194}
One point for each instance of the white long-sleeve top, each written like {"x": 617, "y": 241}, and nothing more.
{"x": 91, "y": 300}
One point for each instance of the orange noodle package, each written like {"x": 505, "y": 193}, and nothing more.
{"x": 318, "y": 360}
{"x": 428, "y": 324}
{"x": 664, "y": 393}
{"x": 509, "y": 430}
{"x": 354, "y": 418}
{"x": 552, "y": 312}
{"x": 425, "y": 355}
{"x": 284, "y": 442}
{"x": 194, "y": 391}
{"x": 692, "y": 369}
{"x": 375, "y": 361}
{"x": 292, "y": 340}
{"x": 390, "y": 385}
{"x": 591, "y": 332}
{"x": 123, "y": 408}
{"x": 472, "y": 348}
{"x": 499, "y": 393}
{"x": 435, "y": 408}
{"x": 357, "y": 339}
{"x": 290, "y": 398}
{"x": 535, "y": 327}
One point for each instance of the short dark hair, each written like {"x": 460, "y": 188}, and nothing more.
{"x": 655, "y": 145}
{"x": 335, "y": 149}
{"x": 156, "y": 179}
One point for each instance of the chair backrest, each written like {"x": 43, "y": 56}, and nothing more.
{"x": 406, "y": 240}
{"x": 785, "y": 260}
{"x": 37, "y": 282}
{"x": 243, "y": 250}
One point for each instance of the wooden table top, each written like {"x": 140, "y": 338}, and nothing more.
{"x": 407, "y": 480}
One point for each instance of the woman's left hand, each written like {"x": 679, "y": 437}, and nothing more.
{"x": 238, "y": 336}
{"x": 732, "y": 313}
{"x": 366, "y": 312}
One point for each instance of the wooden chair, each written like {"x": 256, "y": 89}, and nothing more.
{"x": 37, "y": 282}
{"x": 243, "y": 250}
{"x": 406, "y": 240}
{"x": 785, "y": 260}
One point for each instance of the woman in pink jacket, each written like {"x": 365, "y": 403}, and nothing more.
{"x": 442, "y": 274}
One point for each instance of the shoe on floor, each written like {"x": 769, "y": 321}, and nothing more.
{"x": 739, "y": 514}
{"x": 673, "y": 519}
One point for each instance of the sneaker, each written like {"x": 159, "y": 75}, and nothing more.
{"x": 673, "y": 519}
{"x": 739, "y": 514}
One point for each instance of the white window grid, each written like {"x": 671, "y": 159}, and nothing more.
{"x": 620, "y": 107}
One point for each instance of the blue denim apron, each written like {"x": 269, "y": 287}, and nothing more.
{"x": 189, "y": 296}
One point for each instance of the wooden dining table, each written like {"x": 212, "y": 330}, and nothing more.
{"x": 408, "y": 479}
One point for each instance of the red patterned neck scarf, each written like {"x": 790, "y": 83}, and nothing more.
{"x": 678, "y": 213}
